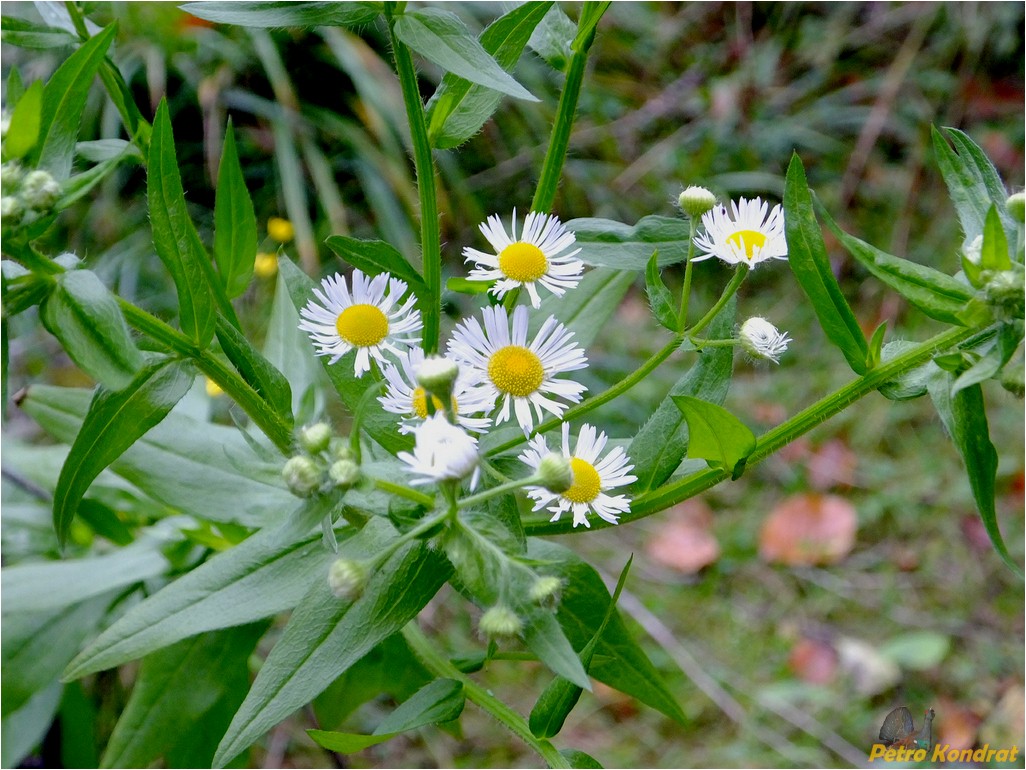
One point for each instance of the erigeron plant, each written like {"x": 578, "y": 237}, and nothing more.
{"x": 468, "y": 440}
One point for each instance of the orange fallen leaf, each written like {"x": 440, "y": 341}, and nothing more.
{"x": 813, "y": 661}
{"x": 956, "y": 725}
{"x": 808, "y": 529}
{"x": 832, "y": 465}
{"x": 684, "y": 541}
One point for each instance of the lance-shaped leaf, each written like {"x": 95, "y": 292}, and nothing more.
{"x": 441, "y": 37}
{"x": 265, "y": 574}
{"x": 459, "y": 108}
{"x": 26, "y": 120}
{"x": 255, "y": 369}
{"x": 715, "y": 435}
{"x": 175, "y": 691}
{"x": 326, "y": 635}
{"x": 174, "y": 236}
{"x": 114, "y": 422}
{"x": 657, "y": 449}
{"x": 374, "y": 257}
{"x": 64, "y": 100}
{"x": 605, "y": 243}
{"x": 1009, "y": 337}
{"x": 377, "y": 422}
{"x": 965, "y": 418}
{"x": 285, "y": 13}
{"x": 235, "y": 229}
{"x": 811, "y": 266}
{"x": 26, "y": 34}
{"x": 659, "y": 298}
{"x": 87, "y": 319}
{"x": 937, "y": 294}
{"x": 994, "y": 249}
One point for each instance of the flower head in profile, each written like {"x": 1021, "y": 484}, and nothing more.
{"x": 760, "y": 339}
{"x": 369, "y": 319}
{"x": 593, "y": 477}
{"x": 442, "y": 452}
{"x": 750, "y": 234}
{"x": 517, "y": 374}
{"x": 538, "y": 256}
{"x": 407, "y": 398}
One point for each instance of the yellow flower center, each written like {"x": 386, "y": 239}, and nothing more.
{"x": 362, "y": 325}
{"x": 523, "y": 262}
{"x": 587, "y": 482}
{"x": 748, "y": 241}
{"x": 420, "y": 403}
{"x": 515, "y": 370}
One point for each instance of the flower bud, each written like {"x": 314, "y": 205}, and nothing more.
{"x": 11, "y": 175}
{"x": 40, "y": 191}
{"x": 1003, "y": 291}
{"x": 11, "y": 208}
{"x": 695, "y": 201}
{"x": 302, "y": 475}
{"x": 760, "y": 339}
{"x": 340, "y": 450}
{"x": 344, "y": 473}
{"x": 546, "y": 589}
{"x": 1013, "y": 379}
{"x": 280, "y": 230}
{"x": 347, "y": 578}
{"x": 315, "y": 438}
{"x": 555, "y": 473}
{"x": 500, "y": 620}
{"x": 1016, "y": 205}
{"x": 436, "y": 374}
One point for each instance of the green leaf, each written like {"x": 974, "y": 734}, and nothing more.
{"x": 465, "y": 286}
{"x": 578, "y": 759}
{"x": 972, "y": 180}
{"x": 265, "y": 574}
{"x": 26, "y": 34}
{"x": 716, "y": 435}
{"x": 285, "y": 13}
{"x": 326, "y": 635}
{"x": 993, "y": 360}
{"x": 174, "y": 236}
{"x": 439, "y": 701}
{"x": 811, "y": 266}
{"x": 965, "y": 418}
{"x": 659, "y": 298}
{"x": 876, "y": 345}
{"x": 591, "y": 15}
{"x": 994, "y": 251}
{"x": 605, "y": 243}
{"x": 379, "y": 424}
{"x": 587, "y": 309}
{"x": 255, "y": 369}
{"x": 458, "y": 108}
{"x": 26, "y": 120}
{"x": 545, "y": 638}
{"x": 35, "y": 646}
{"x": 207, "y": 471}
{"x": 87, "y": 319}
{"x": 114, "y": 422}
{"x": 29, "y": 587}
{"x": 657, "y": 449}
{"x": 618, "y": 660}
{"x": 374, "y": 257}
{"x": 26, "y": 727}
{"x": 441, "y": 37}
{"x": 64, "y": 100}
{"x": 560, "y": 696}
{"x": 910, "y": 384}
{"x": 937, "y": 294}
{"x": 80, "y": 185}
{"x": 235, "y": 229}
{"x": 15, "y": 88}
{"x": 346, "y": 743}
{"x": 552, "y": 37}
{"x": 289, "y": 349}
{"x": 175, "y": 690}
{"x": 917, "y": 650}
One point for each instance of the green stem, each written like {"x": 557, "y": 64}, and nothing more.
{"x": 685, "y": 292}
{"x": 773, "y": 440}
{"x": 729, "y": 291}
{"x": 440, "y": 666}
{"x": 594, "y": 402}
{"x": 230, "y": 382}
{"x": 509, "y": 486}
{"x": 702, "y": 344}
{"x": 403, "y": 491}
{"x": 430, "y": 235}
{"x": 555, "y": 156}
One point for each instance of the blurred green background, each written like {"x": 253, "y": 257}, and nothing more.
{"x": 783, "y": 664}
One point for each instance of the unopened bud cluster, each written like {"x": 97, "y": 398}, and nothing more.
{"x": 325, "y": 462}
{"x": 347, "y": 577}
{"x": 500, "y": 621}
{"x": 26, "y": 196}
{"x": 761, "y": 340}
{"x": 1004, "y": 292}
{"x": 696, "y": 201}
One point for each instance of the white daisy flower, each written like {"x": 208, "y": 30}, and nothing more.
{"x": 538, "y": 256}
{"x": 442, "y": 452}
{"x": 364, "y": 320}
{"x": 521, "y": 375}
{"x": 761, "y": 339}
{"x": 747, "y": 236}
{"x": 592, "y": 477}
{"x": 407, "y": 398}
